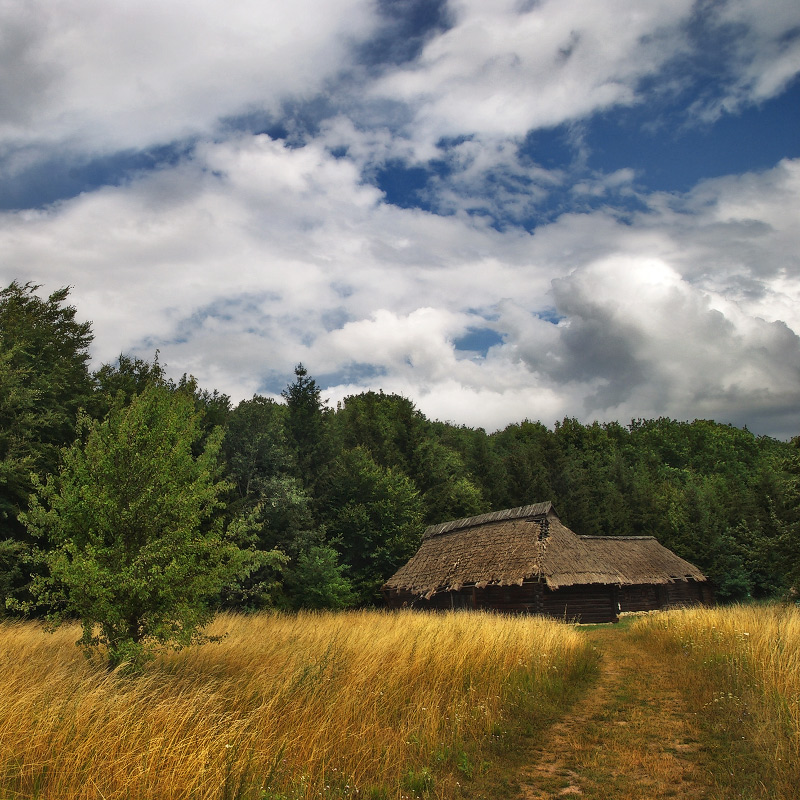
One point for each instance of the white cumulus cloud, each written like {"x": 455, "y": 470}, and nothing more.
{"x": 108, "y": 75}
{"x": 251, "y": 256}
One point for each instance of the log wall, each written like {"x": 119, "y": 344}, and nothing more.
{"x": 587, "y": 603}
{"x": 642, "y": 597}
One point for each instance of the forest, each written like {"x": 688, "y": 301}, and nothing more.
{"x": 301, "y": 505}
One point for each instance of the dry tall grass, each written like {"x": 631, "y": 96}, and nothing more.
{"x": 362, "y": 704}
{"x": 743, "y": 670}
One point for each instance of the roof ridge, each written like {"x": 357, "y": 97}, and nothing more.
{"x": 520, "y": 512}
{"x": 623, "y": 537}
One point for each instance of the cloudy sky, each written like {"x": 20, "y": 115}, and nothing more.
{"x": 502, "y": 209}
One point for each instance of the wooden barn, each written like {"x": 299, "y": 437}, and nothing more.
{"x": 524, "y": 560}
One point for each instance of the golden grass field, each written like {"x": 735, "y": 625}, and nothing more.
{"x": 742, "y": 675}
{"x": 381, "y": 706}
{"x": 355, "y": 704}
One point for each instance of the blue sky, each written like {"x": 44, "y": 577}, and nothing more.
{"x": 502, "y": 209}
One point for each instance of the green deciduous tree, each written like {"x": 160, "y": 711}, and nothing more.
{"x": 263, "y": 469}
{"x": 448, "y": 491}
{"x": 317, "y": 580}
{"x": 44, "y": 380}
{"x": 127, "y": 377}
{"x": 529, "y": 455}
{"x": 17, "y": 445}
{"x": 374, "y": 517}
{"x": 789, "y": 542}
{"x": 49, "y": 349}
{"x": 388, "y": 425}
{"x": 256, "y": 446}
{"x": 136, "y": 550}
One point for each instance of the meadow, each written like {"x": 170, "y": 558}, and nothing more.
{"x": 741, "y": 677}
{"x": 284, "y": 707}
{"x": 389, "y": 706}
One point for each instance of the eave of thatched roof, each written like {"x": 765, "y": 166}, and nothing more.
{"x": 620, "y": 560}
{"x": 510, "y": 547}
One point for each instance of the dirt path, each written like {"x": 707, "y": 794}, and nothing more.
{"x": 630, "y": 738}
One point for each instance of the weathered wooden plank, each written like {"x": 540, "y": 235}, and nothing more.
{"x": 589, "y": 603}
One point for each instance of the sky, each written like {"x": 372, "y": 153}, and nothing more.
{"x": 500, "y": 209}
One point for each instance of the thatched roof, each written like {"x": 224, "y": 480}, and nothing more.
{"x": 509, "y": 547}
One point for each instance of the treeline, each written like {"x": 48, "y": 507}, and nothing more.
{"x": 341, "y": 496}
